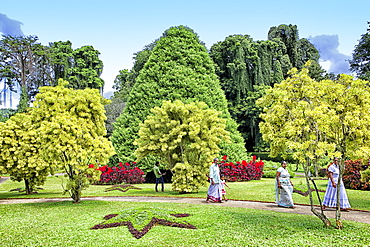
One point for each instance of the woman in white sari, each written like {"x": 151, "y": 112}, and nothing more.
{"x": 330, "y": 198}
{"x": 214, "y": 189}
{"x": 284, "y": 187}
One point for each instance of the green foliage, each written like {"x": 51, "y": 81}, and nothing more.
{"x": 123, "y": 84}
{"x": 178, "y": 68}
{"x": 23, "y": 62}
{"x": 269, "y": 174}
{"x": 292, "y": 116}
{"x": 61, "y": 54}
{"x": 70, "y": 124}
{"x": 87, "y": 68}
{"x": 27, "y": 63}
{"x": 349, "y": 123}
{"x": 113, "y": 111}
{"x": 246, "y": 68}
{"x": 23, "y": 101}
{"x": 78, "y": 180}
{"x": 272, "y": 174}
{"x": 186, "y": 179}
{"x": 81, "y": 67}
{"x": 360, "y": 63}
{"x": 260, "y": 227}
{"x": 6, "y": 113}
{"x": 365, "y": 176}
{"x": 125, "y": 80}
{"x": 270, "y": 167}
{"x": 21, "y": 152}
{"x": 184, "y": 136}
{"x": 314, "y": 119}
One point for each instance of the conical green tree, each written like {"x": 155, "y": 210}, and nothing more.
{"x": 179, "y": 68}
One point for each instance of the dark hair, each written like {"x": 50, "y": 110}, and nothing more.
{"x": 157, "y": 162}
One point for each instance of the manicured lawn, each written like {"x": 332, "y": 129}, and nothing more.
{"x": 67, "y": 224}
{"x": 257, "y": 190}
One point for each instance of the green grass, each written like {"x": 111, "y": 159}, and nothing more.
{"x": 67, "y": 224}
{"x": 256, "y": 190}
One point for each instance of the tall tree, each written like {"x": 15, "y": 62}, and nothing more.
{"x": 24, "y": 63}
{"x": 70, "y": 125}
{"x": 61, "y": 55}
{"x": 113, "y": 111}
{"x": 125, "y": 80}
{"x": 288, "y": 34}
{"x": 246, "y": 66}
{"x": 21, "y": 152}
{"x": 360, "y": 63}
{"x": 86, "y": 69}
{"x": 184, "y": 136}
{"x": 179, "y": 68}
{"x": 311, "y": 119}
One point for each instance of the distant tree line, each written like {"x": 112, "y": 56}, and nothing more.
{"x": 27, "y": 64}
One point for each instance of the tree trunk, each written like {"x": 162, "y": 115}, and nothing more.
{"x": 76, "y": 190}
{"x": 321, "y": 215}
{"x": 338, "y": 221}
{"x": 27, "y": 186}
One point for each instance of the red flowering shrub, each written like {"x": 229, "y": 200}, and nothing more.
{"x": 124, "y": 173}
{"x": 352, "y": 176}
{"x": 241, "y": 171}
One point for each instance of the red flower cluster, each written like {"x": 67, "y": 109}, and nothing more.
{"x": 121, "y": 174}
{"x": 241, "y": 171}
{"x": 352, "y": 176}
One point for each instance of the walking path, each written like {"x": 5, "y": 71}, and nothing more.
{"x": 353, "y": 215}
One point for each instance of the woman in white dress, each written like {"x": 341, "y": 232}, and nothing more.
{"x": 330, "y": 198}
{"x": 284, "y": 187}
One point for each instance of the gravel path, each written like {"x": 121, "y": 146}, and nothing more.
{"x": 353, "y": 215}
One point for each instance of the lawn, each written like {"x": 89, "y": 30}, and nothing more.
{"x": 67, "y": 224}
{"x": 256, "y": 190}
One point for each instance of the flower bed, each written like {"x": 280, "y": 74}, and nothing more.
{"x": 140, "y": 220}
{"x": 241, "y": 171}
{"x": 123, "y": 173}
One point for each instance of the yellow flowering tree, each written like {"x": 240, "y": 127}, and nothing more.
{"x": 20, "y": 152}
{"x": 348, "y": 128}
{"x": 291, "y": 123}
{"x": 184, "y": 136}
{"x": 71, "y": 129}
{"x": 311, "y": 119}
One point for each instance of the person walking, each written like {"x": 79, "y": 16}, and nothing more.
{"x": 330, "y": 198}
{"x": 214, "y": 190}
{"x": 223, "y": 189}
{"x": 284, "y": 187}
{"x": 158, "y": 176}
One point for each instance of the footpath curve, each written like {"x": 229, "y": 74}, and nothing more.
{"x": 353, "y": 214}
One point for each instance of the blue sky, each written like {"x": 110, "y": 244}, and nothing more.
{"x": 119, "y": 28}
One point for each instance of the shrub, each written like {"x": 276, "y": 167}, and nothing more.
{"x": 124, "y": 173}
{"x": 241, "y": 171}
{"x": 352, "y": 175}
{"x": 272, "y": 174}
{"x": 269, "y": 174}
